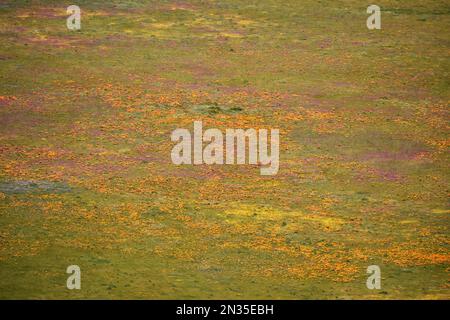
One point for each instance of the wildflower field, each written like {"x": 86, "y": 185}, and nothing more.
{"x": 86, "y": 176}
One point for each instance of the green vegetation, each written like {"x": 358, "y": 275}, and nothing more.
{"x": 85, "y": 170}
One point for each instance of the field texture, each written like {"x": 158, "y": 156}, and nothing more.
{"x": 86, "y": 176}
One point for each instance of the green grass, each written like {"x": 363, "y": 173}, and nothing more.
{"x": 363, "y": 180}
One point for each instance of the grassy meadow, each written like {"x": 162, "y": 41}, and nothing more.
{"x": 86, "y": 176}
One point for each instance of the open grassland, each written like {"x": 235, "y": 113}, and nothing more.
{"x": 86, "y": 176}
